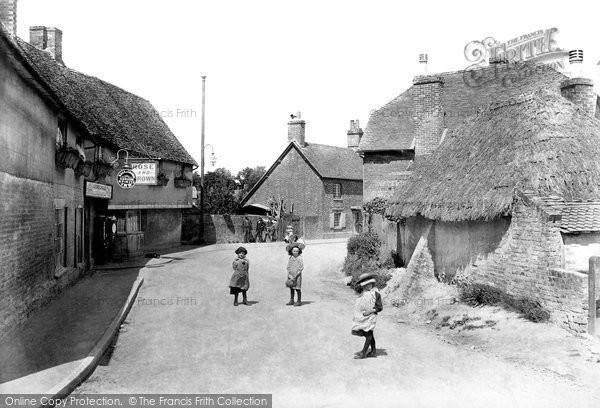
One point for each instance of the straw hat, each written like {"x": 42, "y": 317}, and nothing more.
{"x": 241, "y": 249}
{"x": 366, "y": 278}
{"x": 299, "y": 243}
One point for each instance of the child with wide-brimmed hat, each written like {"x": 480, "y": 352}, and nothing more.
{"x": 294, "y": 271}
{"x": 240, "y": 280}
{"x": 365, "y": 313}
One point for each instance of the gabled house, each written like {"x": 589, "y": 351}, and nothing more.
{"x": 64, "y": 137}
{"x": 510, "y": 199}
{"x": 320, "y": 184}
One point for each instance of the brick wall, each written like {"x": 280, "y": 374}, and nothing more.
{"x": 383, "y": 173}
{"x": 8, "y": 15}
{"x": 299, "y": 185}
{"x": 351, "y": 197}
{"x": 580, "y": 91}
{"x": 429, "y": 124}
{"x": 32, "y": 186}
{"x": 522, "y": 256}
{"x": 528, "y": 262}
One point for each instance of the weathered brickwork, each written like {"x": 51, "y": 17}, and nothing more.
{"x": 522, "y": 257}
{"x": 383, "y": 173}
{"x": 580, "y": 91}
{"x": 8, "y": 15}
{"x": 429, "y": 124}
{"x": 32, "y": 186}
{"x": 28, "y": 277}
{"x": 528, "y": 262}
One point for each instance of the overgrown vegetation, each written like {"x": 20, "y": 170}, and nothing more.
{"x": 363, "y": 256}
{"x": 480, "y": 294}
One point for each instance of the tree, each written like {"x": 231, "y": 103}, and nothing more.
{"x": 248, "y": 177}
{"x": 219, "y": 195}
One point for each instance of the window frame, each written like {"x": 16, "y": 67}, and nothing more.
{"x": 337, "y": 191}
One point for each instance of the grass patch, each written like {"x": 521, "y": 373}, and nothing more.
{"x": 479, "y": 294}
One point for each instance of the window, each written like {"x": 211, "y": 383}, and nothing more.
{"x": 337, "y": 190}
{"x": 60, "y": 237}
{"x": 61, "y": 133}
{"x": 336, "y": 219}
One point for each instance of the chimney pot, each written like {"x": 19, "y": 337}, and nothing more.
{"x": 354, "y": 134}
{"x": 8, "y": 15}
{"x": 423, "y": 59}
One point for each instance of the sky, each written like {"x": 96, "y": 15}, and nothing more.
{"x": 333, "y": 61}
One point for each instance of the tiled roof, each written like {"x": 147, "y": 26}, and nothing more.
{"x": 573, "y": 216}
{"x": 334, "y": 161}
{"x": 107, "y": 112}
{"x": 392, "y": 126}
{"x": 327, "y": 161}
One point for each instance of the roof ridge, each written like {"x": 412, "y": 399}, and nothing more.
{"x": 73, "y": 70}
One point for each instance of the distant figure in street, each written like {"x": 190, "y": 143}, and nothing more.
{"x": 294, "y": 272}
{"x": 240, "y": 280}
{"x": 365, "y": 314}
{"x": 247, "y": 227}
{"x": 260, "y": 229}
{"x": 289, "y": 233}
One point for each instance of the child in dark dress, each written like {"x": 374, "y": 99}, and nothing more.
{"x": 240, "y": 280}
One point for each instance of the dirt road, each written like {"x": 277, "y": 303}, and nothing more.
{"x": 185, "y": 336}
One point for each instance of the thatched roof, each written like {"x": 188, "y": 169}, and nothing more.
{"x": 540, "y": 142}
{"x": 391, "y": 127}
{"x": 105, "y": 111}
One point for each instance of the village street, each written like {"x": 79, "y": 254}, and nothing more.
{"x": 196, "y": 341}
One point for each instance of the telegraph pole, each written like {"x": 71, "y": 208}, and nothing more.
{"x": 202, "y": 163}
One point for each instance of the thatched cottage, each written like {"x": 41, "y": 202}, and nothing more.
{"x": 511, "y": 199}
{"x": 412, "y": 125}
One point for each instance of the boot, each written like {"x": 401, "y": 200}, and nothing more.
{"x": 235, "y": 300}
{"x": 291, "y": 302}
{"x": 299, "y": 301}
{"x": 245, "y": 300}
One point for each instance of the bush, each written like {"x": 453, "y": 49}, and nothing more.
{"x": 479, "y": 294}
{"x": 365, "y": 245}
{"x": 530, "y": 309}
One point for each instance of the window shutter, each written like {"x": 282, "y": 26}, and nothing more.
{"x": 331, "y": 222}
{"x": 343, "y": 220}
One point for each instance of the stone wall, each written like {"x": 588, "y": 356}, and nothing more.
{"x": 221, "y": 229}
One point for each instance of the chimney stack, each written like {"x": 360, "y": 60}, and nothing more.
{"x": 579, "y": 90}
{"x": 429, "y": 113}
{"x": 354, "y": 134}
{"x": 47, "y": 39}
{"x": 8, "y": 15}
{"x": 297, "y": 130}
